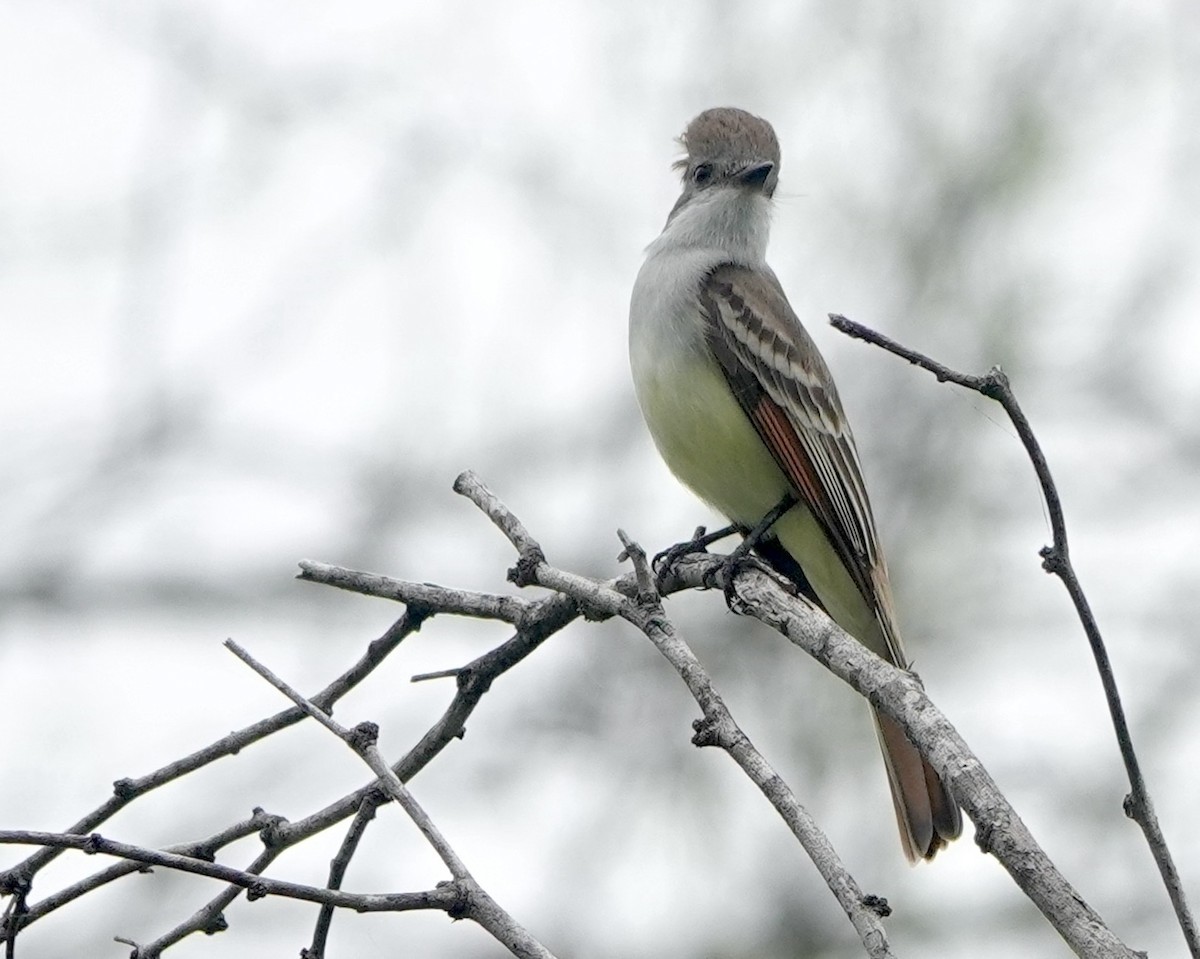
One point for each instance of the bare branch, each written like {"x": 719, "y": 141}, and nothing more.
{"x": 1056, "y": 560}
{"x": 898, "y": 693}
{"x": 210, "y": 918}
{"x": 337, "y": 872}
{"x": 457, "y": 602}
{"x": 528, "y": 550}
{"x": 125, "y": 791}
{"x": 257, "y": 886}
{"x": 634, "y": 597}
{"x": 999, "y": 830}
{"x": 718, "y": 727}
{"x": 205, "y": 849}
{"x": 362, "y": 739}
{"x": 470, "y": 486}
{"x": 544, "y": 618}
{"x": 647, "y": 591}
{"x": 478, "y": 905}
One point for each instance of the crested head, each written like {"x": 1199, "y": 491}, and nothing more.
{"x": 727, "y": 144}
{"x": 729, "y": 176}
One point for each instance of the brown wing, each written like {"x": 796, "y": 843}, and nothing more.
{"x": 783, "y": 384}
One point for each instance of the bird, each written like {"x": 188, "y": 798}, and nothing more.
{"x": 744, "y": 411}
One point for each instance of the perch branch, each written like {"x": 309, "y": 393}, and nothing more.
{"x": 634, "y": 599}
{"x": 999, "y": 830}
{"x": 898, "y": 693}
{"x": 1056, "y": 560}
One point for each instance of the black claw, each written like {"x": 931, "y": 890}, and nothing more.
{"x": 663, "y": 562}
{"x": 741, "y": 559}
{"x": 737, "y": 562}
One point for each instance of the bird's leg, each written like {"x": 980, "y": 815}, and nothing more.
{"x": 756, "y": 535}
{"x": 740, "y": 558}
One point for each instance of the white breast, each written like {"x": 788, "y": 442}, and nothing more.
{"x": 700, "y": 430}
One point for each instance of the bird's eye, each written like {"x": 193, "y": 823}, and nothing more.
{"x": 702, "y": 174}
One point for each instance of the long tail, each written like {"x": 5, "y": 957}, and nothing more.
{"x": 927, "y": 814}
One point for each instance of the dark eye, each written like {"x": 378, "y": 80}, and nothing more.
{"x": 702, "y": 174}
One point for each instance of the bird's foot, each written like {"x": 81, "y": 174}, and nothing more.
{"x": 741, "y": 559}
{"x": 664, "y": 562}
{"x": 727, "y": 573}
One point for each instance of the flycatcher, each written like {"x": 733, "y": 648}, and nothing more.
{"x": 743, "y": 409}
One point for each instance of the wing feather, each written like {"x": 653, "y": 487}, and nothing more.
{"x": 785, "y": 388}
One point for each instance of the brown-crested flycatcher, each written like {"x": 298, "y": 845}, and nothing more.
{"x": 744, "y": 411}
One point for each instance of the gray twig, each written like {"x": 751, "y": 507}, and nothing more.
{"x": 476, "y": 904}
{"x": 337, "y": 873}
{"x": 426, "y": 596}
{"x": 125, "y": 791}
{"x": 258, "y": 886}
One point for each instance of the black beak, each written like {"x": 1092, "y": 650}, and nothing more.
{"x": 756, "y": 173}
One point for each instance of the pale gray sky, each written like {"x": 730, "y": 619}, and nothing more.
{"x": 271, "y": 275}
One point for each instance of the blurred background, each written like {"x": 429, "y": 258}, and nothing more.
{"x": 272, "y": 274}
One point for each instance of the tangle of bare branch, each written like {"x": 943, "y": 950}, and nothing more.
{"x": 635, "y": 598}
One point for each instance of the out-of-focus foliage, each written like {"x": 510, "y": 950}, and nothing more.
{"x": 272, "y": 274}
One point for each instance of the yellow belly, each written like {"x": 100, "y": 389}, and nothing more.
{"x": 710, "y": 444}
{"x": 707, "y": 441}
